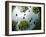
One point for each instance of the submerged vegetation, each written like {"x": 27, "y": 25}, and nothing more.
{"x": 23, "y": 25}
{"x": 36, "y": 9}
{"x": 14, "y": 23}
{"x": 24, "y": 8}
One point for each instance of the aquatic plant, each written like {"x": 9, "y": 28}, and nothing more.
{"x": 14, "y": 23}
{"x": 23, "y": 25}
{"x": 35, "y": 9}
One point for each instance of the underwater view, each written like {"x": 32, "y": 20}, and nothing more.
{"x": 26, "y": 18}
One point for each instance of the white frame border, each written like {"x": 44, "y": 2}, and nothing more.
{"x": 30, "y": 31}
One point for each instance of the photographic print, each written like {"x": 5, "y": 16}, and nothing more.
{"x": 24, "y": 18}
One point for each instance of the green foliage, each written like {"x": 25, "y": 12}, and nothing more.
{"x": 14, "y": 23}
{"x": 35, "y": 10}
{"x": 24, "y": 8}
{"x": 23, "y": 25}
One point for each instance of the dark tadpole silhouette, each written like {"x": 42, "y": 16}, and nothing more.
{"x": 23, "y": 17}
{"x": 29, "y": 20}
{"x": 16, "y": 15}
{"x": 24, "y": 14}
{"x": 29, "y": 10}
{"x": 34, "y": 22}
